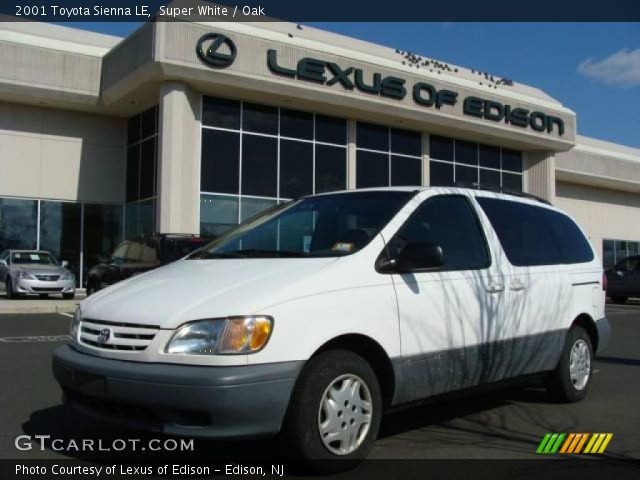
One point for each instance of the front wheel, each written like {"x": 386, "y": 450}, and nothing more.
{"x": 8, "y": 288}
{"x": 571, "y": 379}
{"x": 335, "y": 411}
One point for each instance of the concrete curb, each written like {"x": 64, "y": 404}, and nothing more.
{"x": 38, "y": 309}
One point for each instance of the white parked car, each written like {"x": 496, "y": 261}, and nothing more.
{"x": 320, "y": 314}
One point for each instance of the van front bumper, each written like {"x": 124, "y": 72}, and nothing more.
{"x": 195, "y": 401}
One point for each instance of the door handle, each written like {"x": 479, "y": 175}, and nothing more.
{"x": 517, "y": 286}
{"x": 495, "y": 288}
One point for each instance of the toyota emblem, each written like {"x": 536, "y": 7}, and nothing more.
{"x": 104, "y": 336}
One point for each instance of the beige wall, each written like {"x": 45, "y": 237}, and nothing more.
{"x": 601, "y": 212}
{"x": 60, "y": 154}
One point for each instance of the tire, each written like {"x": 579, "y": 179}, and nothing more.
{"x": 68, "y": 296}
{"x": 8, "y": 288}
{"x": 567, "y": 383}
{"x": 618, "y": 299}
{"x": 309, "y": 409}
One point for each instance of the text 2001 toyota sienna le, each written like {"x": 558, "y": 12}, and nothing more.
{"x": 321, "y": 313}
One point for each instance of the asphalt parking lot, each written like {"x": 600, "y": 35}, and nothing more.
{"x": 502, "y": 424}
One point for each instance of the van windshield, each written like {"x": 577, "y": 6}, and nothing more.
{"x": 326, "y": 225}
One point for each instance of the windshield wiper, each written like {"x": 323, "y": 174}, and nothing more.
{"x": 208, "y": 255}
{"x": 257, "y": 253}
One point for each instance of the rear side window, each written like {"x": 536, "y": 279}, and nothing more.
{"x": 450, "y": 222}
{"x": 533, "y": 235}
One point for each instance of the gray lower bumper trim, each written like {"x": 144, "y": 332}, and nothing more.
{"x": 220, "y": 402}
{"x": 604, "y": 333}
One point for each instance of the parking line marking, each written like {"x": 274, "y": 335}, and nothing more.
{"x": 66, "y": 314}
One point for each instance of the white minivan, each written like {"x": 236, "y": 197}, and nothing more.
{"x": 319, "y": 314}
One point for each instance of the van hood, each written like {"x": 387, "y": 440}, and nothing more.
{"x": 189, "y": 290}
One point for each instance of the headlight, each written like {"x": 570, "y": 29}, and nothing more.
{"x": 25, "y": 276}
{"x": 75, "y": 324}
{"x": 233, "y": 335}
{"x": 66, "y": 276}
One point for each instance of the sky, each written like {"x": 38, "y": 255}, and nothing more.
{"x": 591, "y": 68}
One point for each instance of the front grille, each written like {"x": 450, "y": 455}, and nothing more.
{"x": 48, "y": 278}
{"x": 116, "y": 336}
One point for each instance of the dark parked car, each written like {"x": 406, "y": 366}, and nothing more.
{"x": 139, "y": 255}
{"x": 623, "y": 280}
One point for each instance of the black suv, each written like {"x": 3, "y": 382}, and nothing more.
{"x": 139, "y": 255}
{"x": 623, "y": 280}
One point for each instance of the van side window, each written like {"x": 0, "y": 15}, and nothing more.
{"x": 574, "y": 247}
{"x": 450, "y": 222}
{"x": 532, "y": 236}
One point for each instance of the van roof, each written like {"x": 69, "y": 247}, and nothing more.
{"x": 457, "y": 188}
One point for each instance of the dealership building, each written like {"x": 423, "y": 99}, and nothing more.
{"x": 187, "y": 127}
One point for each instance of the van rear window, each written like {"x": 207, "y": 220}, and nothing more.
{"x": 533, "y": 235}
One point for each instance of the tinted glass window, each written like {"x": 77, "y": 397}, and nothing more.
{"x": 296, "y": 169}
{"x": 511, "y": 160}
{"x": 524, "y": 232}
{"x": 489, "y": 178}
{"x": 512, "y": 181}
{"x": 133, "y": 173}
{"x": 331, "y": 130}
{"x": 220, "y": 161}
{"x": 440, "y": 148}
{"x": 489, "y": 156}
{"x": 441, "y": 174}
{"x": 372, "y": 169}
{"x": 466, "y": 174}
{"x": 406, "y": 142}
{"x": 133, "y": 129}
{"x": 574, "y": 247}
{"x": 218, "y": 213}
{"x": 406, "y": 171}
{"x": 147, "y": 168}
{"x": 466, "y": 152}
{"x": 372, "y": 137}
{"x": 148, "y": 120}
{"x": 296, "y": 124}
{"x": 331, "y": 168}
{"x": 259, "y": 166}
{"x": 260, "y": 118}
{"x": 221, "y": 112}
{"x": 448, "y": 221}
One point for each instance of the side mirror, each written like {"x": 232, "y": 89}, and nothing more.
{"x": 420, "y": 257}
{"x": 64, "y": 264}
{"x": 3, "y": 263}
{"x": 414, "y": 257}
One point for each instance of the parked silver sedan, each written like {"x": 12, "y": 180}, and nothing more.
{"x": 31, "y": 272}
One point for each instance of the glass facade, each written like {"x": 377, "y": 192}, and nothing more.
{"x": 387, "y": 156}
{"x": 453, "y": 160}
{"x": 614, "y": 251}
{"x": 83, "y": 234}
{"x": 142, "y": 166}
{"x": 256, "y": 156}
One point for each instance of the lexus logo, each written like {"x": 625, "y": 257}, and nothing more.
{"x": 105, "y": 335}
{"x": 211, "y": 50}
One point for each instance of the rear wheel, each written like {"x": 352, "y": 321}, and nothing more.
{"x": 618, "y": 299}
{"x": 571, "y": 379}
{"x": 335, "y": 411}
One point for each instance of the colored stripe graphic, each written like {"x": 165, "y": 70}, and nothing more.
{"x": 573, "y": 443}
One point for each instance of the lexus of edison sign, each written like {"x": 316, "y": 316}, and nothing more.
{"x": 350, "y": 78}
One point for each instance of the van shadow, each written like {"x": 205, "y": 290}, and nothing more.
{"x": 66, "y": 426}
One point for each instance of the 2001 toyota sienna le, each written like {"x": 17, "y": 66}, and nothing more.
{"x": 317, "y": 315}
